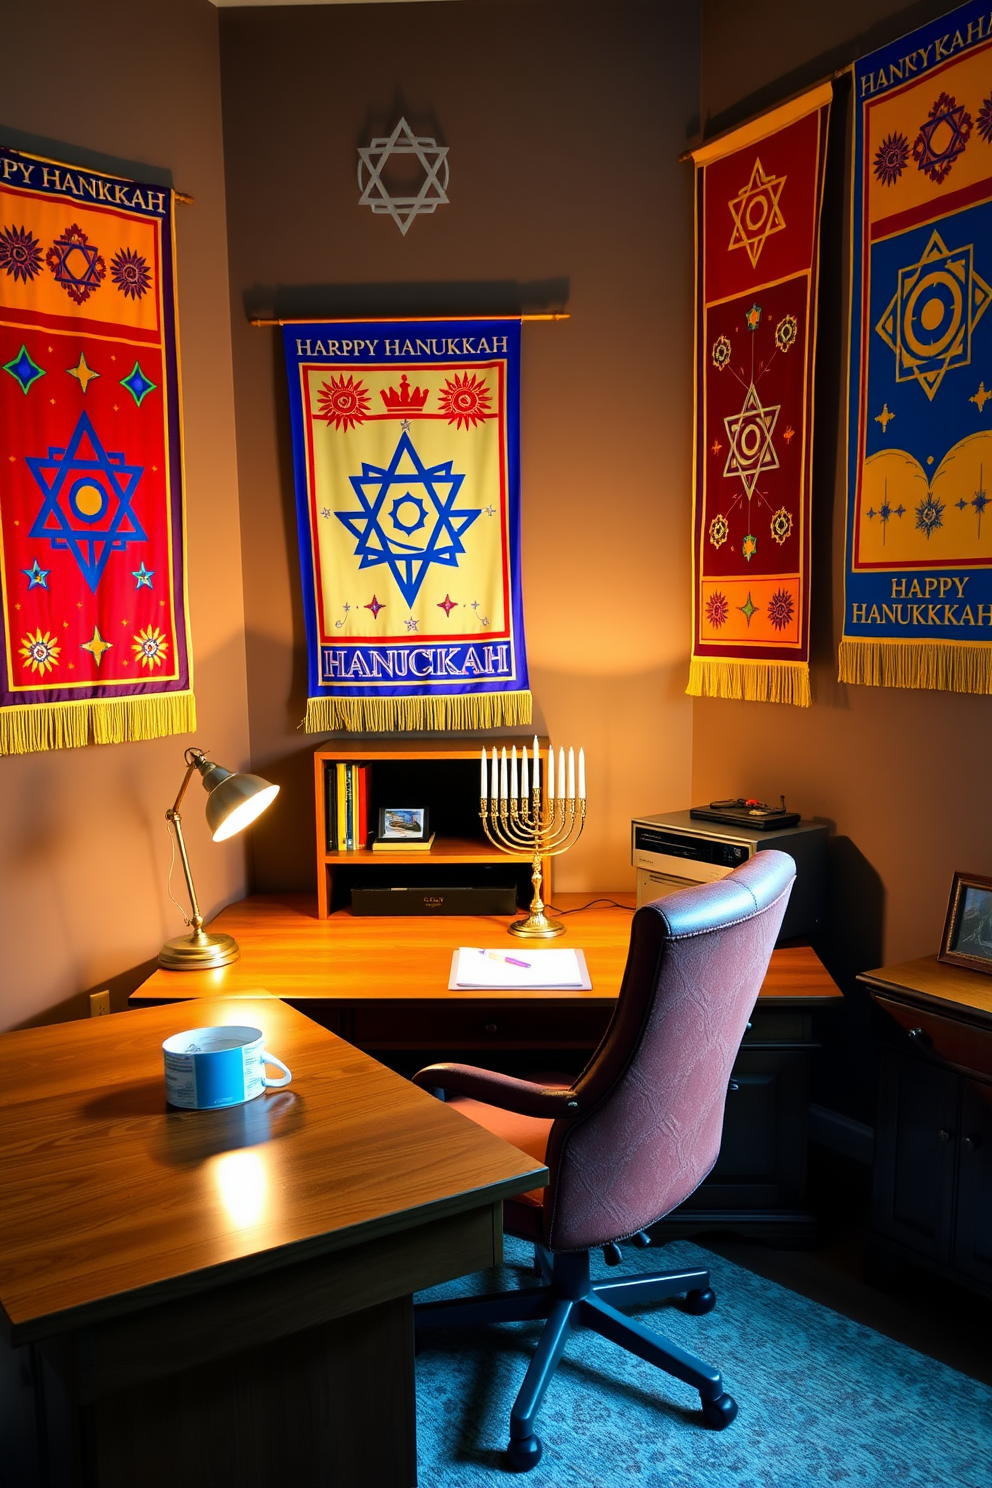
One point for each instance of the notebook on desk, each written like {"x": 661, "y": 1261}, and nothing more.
{"x": 481, "y": 969}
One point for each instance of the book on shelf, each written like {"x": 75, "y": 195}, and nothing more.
{"x": 346, "y": 805}
{"x": 521, "y": 970}
{"x": 402, "y": 845}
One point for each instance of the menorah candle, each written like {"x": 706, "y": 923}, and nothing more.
{"x": 582, "y": 773}
{"x": 514, "y": 791}
{"x": 561, "y": 773}
{"x": 524, "y": 778}
{"x": 571, "y": 774}
{"x": 537, "y": 765}
{"x": 551, "y": 774}
{"x": 503, "y": 781}
{"x": 484, "y": 785}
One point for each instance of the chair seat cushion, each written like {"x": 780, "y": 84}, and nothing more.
{"x": 529, "y": 1133}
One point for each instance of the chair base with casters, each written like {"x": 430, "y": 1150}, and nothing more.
{"x": 569, "y": 1299}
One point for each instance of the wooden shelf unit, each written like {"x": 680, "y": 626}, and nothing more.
{"x": 452, "y": 796}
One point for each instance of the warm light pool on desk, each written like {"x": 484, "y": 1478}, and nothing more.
{"x": 521, "y": 817}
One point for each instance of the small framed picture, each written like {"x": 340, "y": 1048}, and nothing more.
{"x": 403, "y": 824}
{"x": 967, "y": 937}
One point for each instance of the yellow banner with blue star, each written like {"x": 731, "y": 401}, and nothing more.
{"x": 406, "y": 452}
{"x": 94, "y": 646}
{"x": 918, "y": 600}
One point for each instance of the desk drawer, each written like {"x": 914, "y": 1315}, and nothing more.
{"x": 469, "y": 1025}
{"x": 930, "y": 1033}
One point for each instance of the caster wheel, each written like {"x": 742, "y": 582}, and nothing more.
{"x": 698, "y": 1302}
{"x": 719, "y": 1413}
{"x": 524, "y": 1454}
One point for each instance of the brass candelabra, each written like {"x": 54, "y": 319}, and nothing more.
{"x": 518, "y": 815}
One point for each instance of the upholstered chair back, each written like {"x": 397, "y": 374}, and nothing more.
{"x": 650, "y": 1104}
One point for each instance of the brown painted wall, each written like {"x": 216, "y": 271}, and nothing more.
{"x": 902, "y": 774}
{"x": 564, "y": 123}
{"x": 83, "y": 848}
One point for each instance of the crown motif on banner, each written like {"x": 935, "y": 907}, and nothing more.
{"x": 407, "y": 400}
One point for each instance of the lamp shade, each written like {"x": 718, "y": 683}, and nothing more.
{"x": 235, "y": 800}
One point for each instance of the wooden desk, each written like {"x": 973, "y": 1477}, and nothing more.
{"x": 383, "y": 985}
{"x": 221, "y": 1297}
{"x": 932, "y": 1189}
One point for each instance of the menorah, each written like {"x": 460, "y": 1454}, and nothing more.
{"x": 518, "y": 816}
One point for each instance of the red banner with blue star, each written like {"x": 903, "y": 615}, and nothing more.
{"x": 918, "y": 583}
{"x": 406, "y": 451}
{"x": 758, "y": 195}
{"x": 92, "y": 564}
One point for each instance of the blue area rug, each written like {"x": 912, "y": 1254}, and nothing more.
{"x": 824, "y": 1402}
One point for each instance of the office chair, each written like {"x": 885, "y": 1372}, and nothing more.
{"x": 632, "y": 1137}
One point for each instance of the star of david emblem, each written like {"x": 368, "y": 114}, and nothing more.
{"x": 942, "y": 137}
{"x": 929, "y": 321}
{"x": 408, "y": 518}
{"x": 750, "y": 433}
{"x": 756, "y": 212}
{"x": 404, "y": 146}
{"x": 76, "y": 264}
{"x": 87, "y": 507}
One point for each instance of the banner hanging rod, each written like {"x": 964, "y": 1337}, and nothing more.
{"x": 399, "y": 319}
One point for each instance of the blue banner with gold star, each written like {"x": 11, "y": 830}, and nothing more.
{"x": 92, "y": 565}
{"x": 406, "y": 453}
{"x": 918, "y": 602}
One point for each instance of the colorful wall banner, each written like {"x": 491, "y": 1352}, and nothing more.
{"x": 758, "y": 195}
{"x": 92, "y": 565}
{"x": 918, "y": 602}
{"x": 406, "y": 453}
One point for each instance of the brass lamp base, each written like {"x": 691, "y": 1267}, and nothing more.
{"x": 537, "y": 927}
{"x": 198, "y": 952}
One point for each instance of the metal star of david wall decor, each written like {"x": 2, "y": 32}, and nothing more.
{"x": 375, "y": 157}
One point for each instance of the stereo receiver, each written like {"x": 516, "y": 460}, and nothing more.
{"x": 676, "y": 851}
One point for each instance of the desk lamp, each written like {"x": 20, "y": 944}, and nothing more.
{"x": 234, "y": 800}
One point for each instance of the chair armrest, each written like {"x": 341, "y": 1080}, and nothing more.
{"x": 505, "y": 1091}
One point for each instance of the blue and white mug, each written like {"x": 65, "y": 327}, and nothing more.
{"x": 206, "y": 1068}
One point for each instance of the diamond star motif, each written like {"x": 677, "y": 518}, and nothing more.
{"x": 408, "y": 518}
{"x": 88, "y": 492}
{"x": 143, "y": 576}
{"x": 750, "y": 433}
{"x": 403, "y": 207}
{"x": 83, "y": 374}
{"x": 884, "y": 417}
{"x": 748, "y": 609}
{"x": 447, "y": 605}
{"x": 37, "y": 577}
{"x": 23, "y": 370}
{"x": 756, "y": 212}
{"x": 97, "y": 646}
{"x": 981, "y": 397}
{"x": 137, "y": 384}
{"x": 930, "y": 319}
{"x": 375, "y": 607}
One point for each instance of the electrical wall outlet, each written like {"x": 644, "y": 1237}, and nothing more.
{"x": 99, "y": 1004}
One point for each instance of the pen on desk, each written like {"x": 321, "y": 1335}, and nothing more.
{"x": 510, "y": 960}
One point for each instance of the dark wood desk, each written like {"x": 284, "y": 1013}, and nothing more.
{"x": 224, "y": 1297}
{"x": 383, "y": 985}
{"x": 932, "y": 1190}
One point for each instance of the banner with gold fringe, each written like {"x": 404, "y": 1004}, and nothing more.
{"x": 406, "y": 454}
{"x": 918, "y": 581}
{"x": 92, "y": 564}
{"x": 758, "y": 195}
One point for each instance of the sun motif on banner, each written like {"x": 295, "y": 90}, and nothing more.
{"x": 88, "y": 493}
{"x": 20, "y": 253}
{"x": 407, "y": 518}
{"x": 929, "y": 321}
{"x": 781, "y": 608}
{"x": 717, "y": 609}
{"x": 465, "y": 401}
{"x": 750, "y": 433}
{"x": 130, "y": 273}
{"x": 76, "y": 264}
{"x": 756, "y": 212}
{"x": 149, "y": 647}
{"x": 942, "y": 138}
{"x": 891, "y": 158}
{"x": 40, "y": 652}
{"x": 343, "y": 402}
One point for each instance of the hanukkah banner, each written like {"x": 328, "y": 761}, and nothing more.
{"x": 758, "y": 195}
{"x": 406, "y": 452}
{"x": 92, "y": 568}
{"x": 918, "y": 602}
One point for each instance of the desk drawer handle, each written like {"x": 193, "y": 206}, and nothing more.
{"x": 491, "y": 1029}
{"x": 944, "y": 1134}
{"x": 973, "y": 1143}
{"x": 921, "y": 1037}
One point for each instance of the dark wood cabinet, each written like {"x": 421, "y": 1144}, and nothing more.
{"x": 932, "y": 1190}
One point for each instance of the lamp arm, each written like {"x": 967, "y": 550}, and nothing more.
{"x": 172, "y": 815}
{"x": 191, "y": 764}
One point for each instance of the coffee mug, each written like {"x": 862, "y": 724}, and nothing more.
{"x": 210, "y": 1067}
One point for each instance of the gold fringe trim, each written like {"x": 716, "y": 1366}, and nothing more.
{"x": 751, "y": 681}
{"x": 941, "y": 666}
{"x": 374, "y": 715}
{"x": 37, "y": 726}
